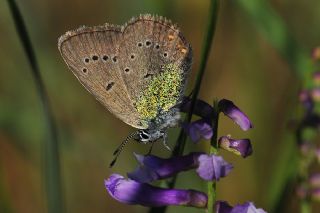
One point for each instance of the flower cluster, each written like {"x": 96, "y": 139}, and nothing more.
{"x": 137, "y": 188}
{"x": 306, "y": 132}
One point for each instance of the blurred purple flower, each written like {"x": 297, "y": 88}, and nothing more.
{"x": 212, "y": 167}
{"x": 301, "y": 191}
{"x": 315, "y": 194}
{"x": 209, "y": 167}
{"x": 315, "y": 94}
{"x": 234, "y": 113}
{"x": 248, "y": 207}
{"x": 316, "y": 78}
{"x": 239, "y": 147}
{"x": 306, "y": 100}
{"x": 314, "y": 180}
{"x": 132, "y": 192}
{"x": 316, "y": 54}
{"x": 198, "y": 129}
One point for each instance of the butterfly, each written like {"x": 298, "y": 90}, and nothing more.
{"x": 138, "y": 71}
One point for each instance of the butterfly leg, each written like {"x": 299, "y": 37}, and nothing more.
{"x": 165, "y": 140}
{"x": 150, "y": 149}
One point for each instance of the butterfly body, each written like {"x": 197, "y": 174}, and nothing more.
{"x": 138, "y": 71}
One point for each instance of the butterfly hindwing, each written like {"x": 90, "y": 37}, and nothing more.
{"x": 151, "y": 44}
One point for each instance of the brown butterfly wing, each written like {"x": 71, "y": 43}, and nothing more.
{"x": 150, "y": 42}
{"x": 92, "y": 55}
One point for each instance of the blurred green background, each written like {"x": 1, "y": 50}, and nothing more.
{"x": 243, "y": 66}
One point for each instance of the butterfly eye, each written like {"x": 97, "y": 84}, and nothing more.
{"x": 144, "y": 136}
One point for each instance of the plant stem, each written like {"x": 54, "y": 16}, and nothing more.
{"x": 213, "y": 16}
{"x": 179, "y": 148}
{"x": 212, "y": 187}
{"x": 52, "y": 157}
{"x": 305, "y": 206}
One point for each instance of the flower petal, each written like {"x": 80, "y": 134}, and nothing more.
{"x": 132, "y": 192}
{"x": 316, "y": 78}
{"x": 306, "y": 100}
{"x": 155, "y": 168}
{"x": 316, "y": 54}
{"x": 199, "y": 129}
{"x": 213, "y": 167}
{"x": 239, "y": 147}
{"x": 201, "y": 108}
{"x": 223, "y": 207}
{"x": 314, "y": 180}
{"x": 248, "y": 207}
{"x": 233, "y": 112}
{"x": 315, "y": 194}
{"x": 315, "y": 94}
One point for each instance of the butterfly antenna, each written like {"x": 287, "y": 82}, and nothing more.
{"x": 120, "y": 148}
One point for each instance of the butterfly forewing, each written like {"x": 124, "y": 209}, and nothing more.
{"x": 92, "y": 55}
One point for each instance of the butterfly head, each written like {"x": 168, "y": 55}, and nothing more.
{"x": 148, "y": 135}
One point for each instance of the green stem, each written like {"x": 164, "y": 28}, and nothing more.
{"x": 213, "y": 17}
{"x": 52, "y": 157}
{"x": 212, "y": 187}
{"x": 179, "y": 148}
{"x": 305, "y": 206}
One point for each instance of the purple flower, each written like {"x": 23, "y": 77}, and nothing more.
{"x": 315, "y": 94}
{"x": 212, "y": 167}
{"x": 154, "y": 168}
{"x": 248, "y": 207}
{"x": 201, "y": 108}
{"x": 198, "y": 129}
{"x": 209, "y": 167}
{"x": 239, "y": 147}
{"x": 306, "y": 100}
{"x": 132, "y": 192}
{"x": 314, "y": 180}
{"x": 316, "y": 78}
{"x": 234, "y": 113}
{"x": 315, "y": 194}
{"x": 301, "y": 191}
{"x": 316, "y": 54}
